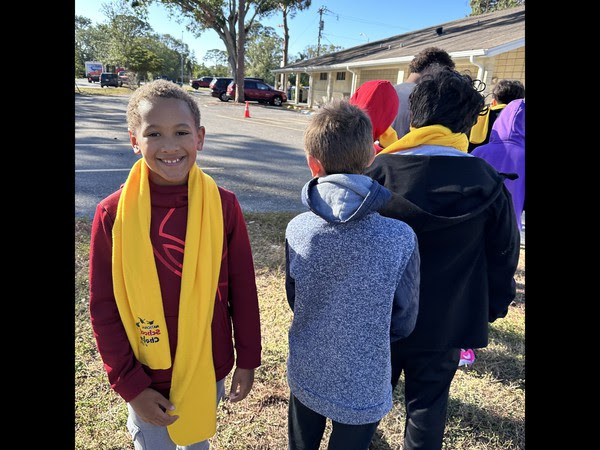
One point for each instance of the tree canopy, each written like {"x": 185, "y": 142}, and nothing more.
{"x": 218, "y": 15}
{"x": 485, "y": 6}
{"x": 127, "y": 40}
{"x": 263, "y": 54}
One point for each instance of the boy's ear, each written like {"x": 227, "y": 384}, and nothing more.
{"x": 373, "y": 155}
{"x": 134, "y": 143}
{"x": 201, "y": 133}
{"x": 315, "y": 166}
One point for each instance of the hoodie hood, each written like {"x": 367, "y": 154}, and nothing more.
{"x": 380, "y": 101}
{"x": 341, "y": 198}
{"x": 509, "y": 127}
{"x": 435, "y": 192}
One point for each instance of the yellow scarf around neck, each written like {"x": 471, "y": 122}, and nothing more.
{"x": 388, "y": 137}
{"x": 429, "y": 135}
{"x": 138, "y": 296}
{"x": 479, "y": 130}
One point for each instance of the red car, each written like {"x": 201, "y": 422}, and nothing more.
{"x": 201, "y": 82}
{"x": 255, "y": 90}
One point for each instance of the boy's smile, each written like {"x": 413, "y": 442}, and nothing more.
{"x": 168, "y": 139}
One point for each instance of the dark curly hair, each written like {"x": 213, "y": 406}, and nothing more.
{"x": 445, "y": 97}
{"x": 429, "y": 56}
{"x": 506, "y": 91}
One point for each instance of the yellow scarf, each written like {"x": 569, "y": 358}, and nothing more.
{"x": 479, "y": 130}
{"x": 430, "y": 135}
{"x": 388, "y": 137}
{"x": 137, "y": 292}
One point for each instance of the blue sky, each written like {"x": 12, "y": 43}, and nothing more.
{"x": 347, "y": 23}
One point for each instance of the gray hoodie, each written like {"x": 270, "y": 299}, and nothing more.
{"x": 352, "y": 280}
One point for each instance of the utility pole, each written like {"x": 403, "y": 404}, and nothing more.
{"x": 322, "y": 9}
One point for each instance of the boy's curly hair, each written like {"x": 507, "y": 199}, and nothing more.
{"x": 429, "y": 56}
{"x": 445, "y": 97}
{"x": 506, "y": 91}
{"x": 158, "y": 89}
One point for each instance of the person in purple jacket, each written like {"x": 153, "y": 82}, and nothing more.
{"x": 506, "y": 151}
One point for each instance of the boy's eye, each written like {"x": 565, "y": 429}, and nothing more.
{"x": 183, "y": 133}
{"x": 154, "y": 134}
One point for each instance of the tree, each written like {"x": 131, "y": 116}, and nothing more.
{"x": 144, "y": 58}
{"x": 91, "y": 43}
{"x": 126, "y": 39}
{"x": 173, "y": 52}
{"x": 223, "y": 16}
{"x": 241, "y": 44}
{"x": 263, "y": 53}
{"x": 216, "y": 56}
{"x": 218, "y": 59}
{"x": 311, "y": 51}
{"x": 122, "y": 29}
{"x": 485, "y": 6}
{"x": 288, "y": 8}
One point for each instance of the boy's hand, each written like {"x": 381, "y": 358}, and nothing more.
{"x": 242, "y": 379}
{"x": 147, "y": 406}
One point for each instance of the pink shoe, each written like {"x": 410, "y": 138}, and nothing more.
{"x": 467, "y": 357}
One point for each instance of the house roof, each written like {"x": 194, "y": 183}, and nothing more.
{"x": 482, "y": 35}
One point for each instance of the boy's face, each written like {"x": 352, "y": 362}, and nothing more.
{"x": 168, "y": 139}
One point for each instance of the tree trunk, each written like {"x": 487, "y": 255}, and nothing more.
{"x": 241, "y": 40}
{"x": 286, "y": 41}
{"x": 230, "y": 47}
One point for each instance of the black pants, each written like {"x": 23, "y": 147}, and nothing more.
{"x": 306, "y": 427}
{"x": 427, "y": 378}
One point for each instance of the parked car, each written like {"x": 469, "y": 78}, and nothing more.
{"x": 110, "y": 79}
{"x": 218, "y": 87}
{"x": 123, "y": 77}
{"x": 201, "y": 82}
{"x": 256, "y": 90}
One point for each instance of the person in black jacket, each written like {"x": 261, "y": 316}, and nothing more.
{"x": 463, "y": 217}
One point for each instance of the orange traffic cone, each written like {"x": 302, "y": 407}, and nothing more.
{"x": 247, "y": 111}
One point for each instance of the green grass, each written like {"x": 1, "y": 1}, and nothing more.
{"x": 487, "y": 401}
{"x": 110, "y": 90}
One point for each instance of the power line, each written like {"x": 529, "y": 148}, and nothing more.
{"x": 343, "y": 37}
{"x": 297, "y": 38}
{"x": 368, "y": 22}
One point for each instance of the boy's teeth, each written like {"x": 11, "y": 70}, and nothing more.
{"x": 171, "y": 161}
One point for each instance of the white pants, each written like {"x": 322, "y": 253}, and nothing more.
{"x": 153, "y": 437}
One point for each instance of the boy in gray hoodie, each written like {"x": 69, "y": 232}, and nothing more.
{"x": 352, "y": 280}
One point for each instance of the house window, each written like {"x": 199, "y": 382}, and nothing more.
{"x": 323, "y": 76}
{"x": 340, "y": 76}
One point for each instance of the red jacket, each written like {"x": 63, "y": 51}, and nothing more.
{"x": 236, "y": 300}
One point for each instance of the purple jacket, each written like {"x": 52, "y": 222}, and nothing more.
{"x": 506, "y": 151}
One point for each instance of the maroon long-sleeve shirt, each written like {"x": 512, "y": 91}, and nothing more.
{"x": 236, "y": 300}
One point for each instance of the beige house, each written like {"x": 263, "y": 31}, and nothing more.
{"x": 489, "y": 47}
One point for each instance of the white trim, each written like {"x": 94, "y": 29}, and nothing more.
{"x": 506, "y": 47}
{"x": 467, "y": 53}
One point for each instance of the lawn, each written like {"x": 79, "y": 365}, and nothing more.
{"x": 487, "y": 401}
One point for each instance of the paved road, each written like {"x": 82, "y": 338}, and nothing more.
{"x": 259, "y": 158}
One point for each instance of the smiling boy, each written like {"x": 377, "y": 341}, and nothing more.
{"x": 162, "y": 322}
